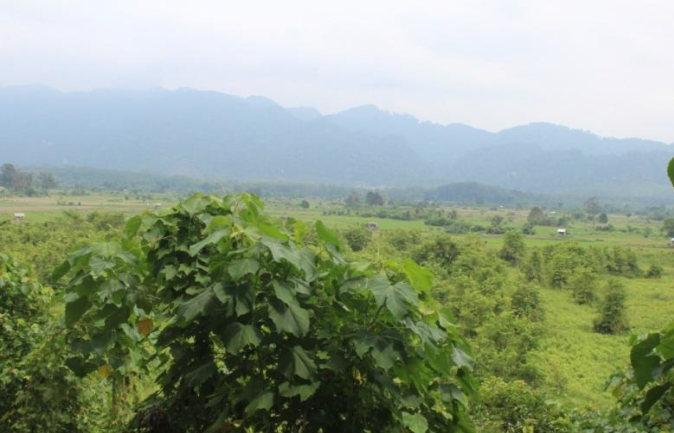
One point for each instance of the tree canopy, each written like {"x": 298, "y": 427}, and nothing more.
{"x": 250, "y": 328}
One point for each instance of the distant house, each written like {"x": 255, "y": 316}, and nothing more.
{"x": 562, "y": 232}
{"x": 157, "y": 205}
{"x": 372, "y": 226}
{"x": 19, "y": 216}
{"x": 671, "y": 242}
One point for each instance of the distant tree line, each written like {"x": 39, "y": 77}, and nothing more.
{"x": 24, "y": 182}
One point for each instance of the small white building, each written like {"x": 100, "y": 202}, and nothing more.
{"x": 562, "y": 232}
{"x": 18, "y": 216}
{"x": 671, "y": 242}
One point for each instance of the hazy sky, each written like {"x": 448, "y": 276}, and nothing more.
{"x": 602, "y": 65}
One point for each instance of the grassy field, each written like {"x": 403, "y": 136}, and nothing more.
{"x": 571, "y": 370}
{"x": 39, "y": 209}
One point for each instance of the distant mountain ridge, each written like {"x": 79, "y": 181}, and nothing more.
{"x": 214, "y": 135}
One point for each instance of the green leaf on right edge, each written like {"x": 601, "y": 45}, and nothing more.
{"x": 670, "y": 171}
{"x": 653, "y": 396}
{"x": 644, "y": 361}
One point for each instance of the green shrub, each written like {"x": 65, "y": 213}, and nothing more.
{"x": 525, "y": 303}
{"x": 584, "y": 285}
{"x": 255, "y": 332}
{"x": 37, "y": 392}
{"x": 514, "y": 248}
{"x": 612, "y": 317}
{"x": 515, "y": 407}
{"x": 357, "y": 237}
{"x": 655, "y": 271}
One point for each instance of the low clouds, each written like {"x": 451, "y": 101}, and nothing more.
{"x": 603, "y": 65}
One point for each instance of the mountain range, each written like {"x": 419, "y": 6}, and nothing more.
{"x": 214, "y": 135}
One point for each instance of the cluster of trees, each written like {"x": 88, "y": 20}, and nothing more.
{"x": 24, "y": 182}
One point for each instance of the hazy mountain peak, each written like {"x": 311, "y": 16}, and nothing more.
{"x": 261, "y": 101}
{"x": 306, "y": 114}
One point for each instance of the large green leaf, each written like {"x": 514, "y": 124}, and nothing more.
{"x": 237, "y": 336}
{"x": 670, "y": 171}
{"x": 396, "y": 297}
{"x": 284, "y": 292}
{"x": 281, "y": 252}
{"x": 325, "y": 235}
{"x": 132, "y": 225}
{"x": 200, "y": 374}
{"x": 242, "y": 267}
{"x": 296, "y": 362}
{"x": 653, "y": 396}
{"x": 420, "y": 278}
{"x": 461, "y": 358}
{"x": 415, "y": 422}
{"x": 381, "y": 349}
{"x": 197, "y": 305}
{"x": 644, "y": 360}
{"x": 76, "y": 309}
{"x": 330, "y": 241}
{"x": 303, "y": 391}
{"x": 263, "y": 401}
{"x": 213, "y": 238}
{"x": 240, "y": 297}
{"x": 289, "y": 318}
{"x": 195, "y": 204}
{"x": 60, "y": 271}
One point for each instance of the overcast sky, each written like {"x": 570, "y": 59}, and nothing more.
{"x": 601, "y": 65}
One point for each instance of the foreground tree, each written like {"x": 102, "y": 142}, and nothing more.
{"x": 254, "y": 331}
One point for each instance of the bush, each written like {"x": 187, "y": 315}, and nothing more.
{"x": 655, "y": 271}
{"x": 525, "y": 303}
{"x": 612, "y": 318}
{"x": 583, "y": 285}
{"x": 529, "y": 229}
{"x": 255, "y": 332}
{"x": 357, "y": 237}
{"x": 533, "y": 268}
{"x": 516, "y": 407}
{"x": 514, "y": 248}
{"x": 37, "y": 392}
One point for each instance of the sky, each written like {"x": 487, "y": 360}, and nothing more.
{"x": 600, "y": 65}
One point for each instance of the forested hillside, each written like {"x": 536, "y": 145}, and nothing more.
{"x": 214, "y": 135}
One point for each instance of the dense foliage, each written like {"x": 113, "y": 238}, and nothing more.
{"x": 252, "y": 330}
{"x": 37, "y": 391}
